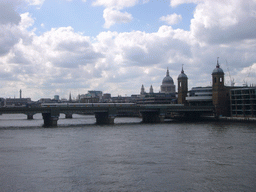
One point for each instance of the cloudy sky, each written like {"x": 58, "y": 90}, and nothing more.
{"x": 50, "y": 47}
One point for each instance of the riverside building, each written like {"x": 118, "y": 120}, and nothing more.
{"x": 243, "y": 102}
{"x": 227, "y": 100}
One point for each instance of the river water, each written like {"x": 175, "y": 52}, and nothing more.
{"x": 79, "y": 155}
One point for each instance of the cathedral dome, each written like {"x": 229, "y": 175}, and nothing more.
{"x": 167, "y": 79}
{"x": 167, "y": 86}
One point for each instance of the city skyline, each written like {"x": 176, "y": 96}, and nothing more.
{"x": 56, "y": 47}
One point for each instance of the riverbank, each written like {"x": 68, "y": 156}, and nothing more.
{"x": 213, "y": 118}
{"x": 240, "y": 119}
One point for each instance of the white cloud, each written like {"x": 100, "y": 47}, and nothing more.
{"x": 35, "y": 2}
{"x": 9, "y": 36}
{"x": 112, "y": 17}
{"x": 224, "y": 21}
{"x": 65, "y": 48}
{"x": 249, "y": 71}
{"x": 175, "y": 3}
{"x": 62, "y": 59}
{"x": 112, "y": 13}
{"x": 246, "y": 76}
{"x": 26, "y": 20}
{"x": 171, "y": 19}
{"x": 13, "y": 26}
{"x": 117, "y": 4}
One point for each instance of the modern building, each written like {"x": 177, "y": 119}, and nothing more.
{"x": 200, "y": 96}
{"x": 45, "y": 100}
{"x": 243, "y": 102}
{"x": 106, "y": 98}
{"x": 15, "y": 102}
{"x": 2, "y": 102}
{"x": 121, "y": 99}
{"x": 56, "y": 97}
{"x": 90, "y": 97}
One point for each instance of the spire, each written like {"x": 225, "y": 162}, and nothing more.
{"x": 167, "y": 73}
{"x": 182, "y": 75}
{"x": 151, "y": 89}
{"x": 218, "y": 65}
{"x": 70, "y": 99}
{"x": 142, "y": 90}
{"x": 217, "y": 70}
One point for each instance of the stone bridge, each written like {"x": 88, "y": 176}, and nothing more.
{"x": 106, "y": 114}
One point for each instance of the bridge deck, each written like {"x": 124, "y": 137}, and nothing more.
{"x": 173, "y": 108}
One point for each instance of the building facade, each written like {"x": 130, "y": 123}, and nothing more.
{"x": 243, "y": 102}
{"x": 17, "y": 102}
{"x": 90, "y": 97}
{"x": 200, "y": 96}
{"x": 2, "y": 102}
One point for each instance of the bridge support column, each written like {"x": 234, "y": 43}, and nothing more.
{"x": 152, "y": 117}
{"x": 30, "y": 116}
{"x": 49, "y": 120}
{"x": 103, "y": 118}
{"x": 68, "y": 115}
{"x": 161, "y": 118}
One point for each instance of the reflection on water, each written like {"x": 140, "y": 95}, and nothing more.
{"x": 127, "y": 156}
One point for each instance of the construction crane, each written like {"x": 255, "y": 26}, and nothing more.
{"x": 232, "y": 81}
{"x": 245, "y": 80}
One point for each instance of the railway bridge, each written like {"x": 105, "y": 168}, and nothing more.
{"x": 106, "y": 113}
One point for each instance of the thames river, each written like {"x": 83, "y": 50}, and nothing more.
{"x": 79, "y": 155}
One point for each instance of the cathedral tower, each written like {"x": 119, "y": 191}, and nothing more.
{"x": 151, "y": 91}
{"x": 142, "y": 90}
{"x": 220, "y": 95}
{"x": 182, "y": 87}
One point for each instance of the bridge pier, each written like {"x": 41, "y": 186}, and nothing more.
{"x": 30, "y": 116}
{"x": 68, "y": 115}
{"x": 152, "y": 117}
{"x": 49, "y": 120}
{"x": 103, "y": 118}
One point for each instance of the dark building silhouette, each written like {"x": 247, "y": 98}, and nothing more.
{"x": 182, "y": 87}
{"x": 220, "y": 92}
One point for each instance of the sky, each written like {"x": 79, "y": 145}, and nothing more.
{"x": 57, "y": 47}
